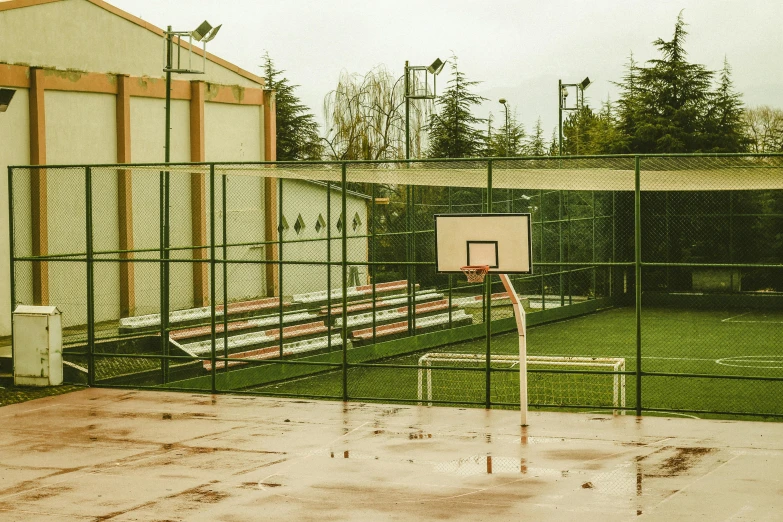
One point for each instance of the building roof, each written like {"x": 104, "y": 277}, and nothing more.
{"x": 6, "y": 5}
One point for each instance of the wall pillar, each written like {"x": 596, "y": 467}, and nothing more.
{"x": 125, "y": 198}
{"x": 270, "y": 193}
{"x": 38, "y": 192}
{"x": 198, "y": 205}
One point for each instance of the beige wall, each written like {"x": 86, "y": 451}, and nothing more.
{"x": 53, "y": 34}
{"x": 308, "y": 200}
{"x": 147, "y": 145}
{"x": 89, "y": 118}
{"x": 15, "y": 140}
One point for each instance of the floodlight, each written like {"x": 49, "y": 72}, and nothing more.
{"x": 212, "y": 34}
{"x": 5, "y": 98}
{"x": 585, "y": 83}
{"x": 502, "y": 100}
{"x": 436, "y": 67}
{"x": 201, "y": 31}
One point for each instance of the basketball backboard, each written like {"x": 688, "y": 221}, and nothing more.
{"x": 500, "y": 241}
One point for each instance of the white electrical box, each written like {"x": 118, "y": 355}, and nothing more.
{"x": 38, "y": 346}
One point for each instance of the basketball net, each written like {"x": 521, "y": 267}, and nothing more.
{"x": 475, "y": 273}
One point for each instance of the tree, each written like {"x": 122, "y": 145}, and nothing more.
{"x": 453, "y": 133}
{"x": 724, "y": 128}
{"x": 663, "y": 105}
{"x": 508, "y": 141}
{"x": 297, "y": 130}
{"x": 365, "y": 118}
{"x": 536, "y": 145}
{"x": 764, "y": 129}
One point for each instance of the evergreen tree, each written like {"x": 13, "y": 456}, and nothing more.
{"x": 508, "y": 141}
{"x": 536, "y": 145}
{"x": 297, "y": 130}
{"x": 453, "y": 133}
{"x": 724, "y": 124}
{"x": 663, "y": 106}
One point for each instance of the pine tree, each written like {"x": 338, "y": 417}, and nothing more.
{"x": 663, "y": 106}
{"x": 297, "y": 130}
{"x": 508, "y": 141}
{"x": 536, "y": 145}
{"x": 453, "y": 133}
{"x": 724, "y": 124}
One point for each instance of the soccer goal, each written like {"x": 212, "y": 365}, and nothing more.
{"x": 461, "y": 383}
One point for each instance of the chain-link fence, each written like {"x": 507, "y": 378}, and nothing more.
{"x": 657, "y": 281}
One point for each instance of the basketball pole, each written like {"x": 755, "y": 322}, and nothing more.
{"x": 519, "y": 315}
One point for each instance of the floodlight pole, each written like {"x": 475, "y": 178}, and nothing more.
{"x": 562, "y": 94}
{"x": 407, "y": 113}
{"x": 167, "y": 151}
{"x": 519, "y": 315}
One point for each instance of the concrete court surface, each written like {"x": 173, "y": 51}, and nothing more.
{"x": 119, "y": 455}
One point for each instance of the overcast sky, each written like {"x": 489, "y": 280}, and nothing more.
{"x": 517, "y": 49}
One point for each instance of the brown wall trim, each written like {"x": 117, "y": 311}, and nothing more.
{"x": 125, "y": 198}
{"x": 38, "y": 192}
{"x": 16, "y": 4}
{"x": 198, "y": 206}
{"x": 141, "y": 86}
{"x": 270, "y": 193}
{"x": 14, "y": 75}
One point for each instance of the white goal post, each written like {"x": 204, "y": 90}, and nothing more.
{"x": 604, "y": 390}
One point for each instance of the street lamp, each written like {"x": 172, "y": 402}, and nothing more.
{"x": 562, "y": 92}
{"x": 508, "y": 137}
{"x": 413, "y": 91}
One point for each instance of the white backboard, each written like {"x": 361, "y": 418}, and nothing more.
{"x": 501, "y": 241}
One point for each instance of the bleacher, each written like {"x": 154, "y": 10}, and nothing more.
{"x": 245, "y": 334}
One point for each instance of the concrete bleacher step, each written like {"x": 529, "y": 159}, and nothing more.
{"x": 192, "y": 316}
{"x": 259, "y": 339}
{"x": 382, "y": 303}
{"x": 247, "y": 326}
{"x": 353, "y": 293}
{"x": 393, "y": 314}
{"x": 273, "y": 352}
{"x": 400, "y": 329}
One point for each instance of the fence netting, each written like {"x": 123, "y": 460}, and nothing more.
{"x": 657, "y": 284}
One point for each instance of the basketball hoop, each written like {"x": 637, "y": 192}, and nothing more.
{"x": 475, "y": 274}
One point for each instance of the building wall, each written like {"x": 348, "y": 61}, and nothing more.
{"x": 309, "y": 201}
{"x": 15, "y": 140}
{"x": 53, "y": 34}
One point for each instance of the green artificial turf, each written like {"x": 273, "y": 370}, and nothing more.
{"x": 687, "y": 342}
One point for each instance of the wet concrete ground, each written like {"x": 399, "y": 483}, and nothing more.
{"x": 131, "y": 455}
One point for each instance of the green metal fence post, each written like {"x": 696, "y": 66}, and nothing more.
{"x": 344, "y": 329}
{"x": 409, "y": 256}
{"x": 224, "y": 224}
{"x": 451, "y": 277}
{"x": 372, "y": 266}
{"x": 164, "y": 311}
{"x": 488, "y": 304}
{"x": 638, "y": 267}
{"x": 90, "y": 278}
{"x": 412, "y": 308}
{"x": 280, "y": 263}
{"x": 11, "y": 241}
{"x": 560, "y": 244}
{"x": 542, "y": 258}
{"x": 212, "y": 276}
{"x": 329, "y": 265}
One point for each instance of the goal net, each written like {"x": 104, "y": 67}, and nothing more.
{"x": 464, "y": 380}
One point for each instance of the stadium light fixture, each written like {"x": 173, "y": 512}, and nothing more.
{"x": 585, "y": 83}
{"x": 5, "y": 98}
{"x": 436, "y": 67}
